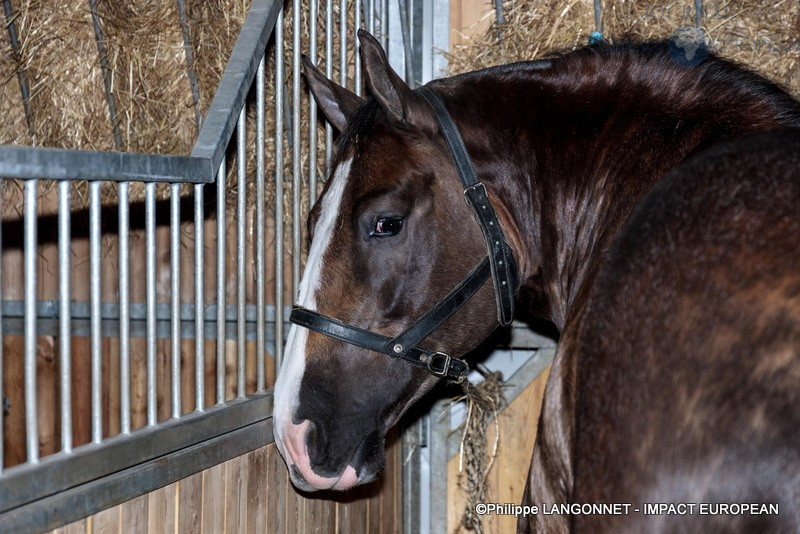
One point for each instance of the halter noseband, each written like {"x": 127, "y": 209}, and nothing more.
{"x": 498, "y": 264}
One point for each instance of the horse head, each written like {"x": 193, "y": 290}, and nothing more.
{"x": 391, "y": 236}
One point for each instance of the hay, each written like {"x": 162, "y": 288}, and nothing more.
{"x": 484, "y": 401}
{"x": 156, "y": 108}
{"x": 761, "y": 35}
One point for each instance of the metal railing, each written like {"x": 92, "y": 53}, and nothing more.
{"x": 26, "y": 503}
{"x": 80, "y": 479}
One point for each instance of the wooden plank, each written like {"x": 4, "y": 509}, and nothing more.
{"x": 508, "y": 474}
{"x": 258, "y": 490}
{"x": 161, "y": 510}
{"x": 278, "y": 486}
{"x": 107, "y": 521}
{"x": 235, "y": 496}
{"x": 190, "y": 504}
{"x": 78, "y": 527}
{"x": 133, "y": 515}
{"x": 13, "y": 388}
{"x": 213, "y": 517}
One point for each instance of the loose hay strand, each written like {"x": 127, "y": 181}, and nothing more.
{"x": 483, "y": 403}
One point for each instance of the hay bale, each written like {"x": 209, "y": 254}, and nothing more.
{"x": 757, "y": 34}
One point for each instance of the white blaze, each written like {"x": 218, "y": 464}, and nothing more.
{"x": 287, "y": 387}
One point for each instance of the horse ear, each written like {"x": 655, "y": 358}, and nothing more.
{"x": 337, "y": 103}
{"x": 396, "y": 98}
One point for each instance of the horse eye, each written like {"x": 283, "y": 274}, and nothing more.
{"x": 387, "y": 226}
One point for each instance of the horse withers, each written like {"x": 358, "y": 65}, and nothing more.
{"x": 643, "y": 221}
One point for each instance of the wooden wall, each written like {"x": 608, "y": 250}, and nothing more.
{"x": 508, "y": 474}
{"x": 252, "y": 494}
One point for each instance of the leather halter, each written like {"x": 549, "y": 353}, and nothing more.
{"x": 498, "y": 264}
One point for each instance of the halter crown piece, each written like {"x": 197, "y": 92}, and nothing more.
{"x": 497, "y": 264}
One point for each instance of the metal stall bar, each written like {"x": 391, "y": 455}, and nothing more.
{"x": 95, "y": 285}
{"x": 175, "y": 295}
{"x": 260, "y": 193}
{"x": 278, "y": 192}
{"x": 150, "y": 288}
{"x": 221, "y": 300}
{"x": 2, "y": 393}
{"x": 329, "y": 75}
{"x": 199, "y": 297}
{"x": 241, "y": 229}
{"x": 312, "y": 108}
{"x": 124, "y": 311}
{"x": 31, "y": 414}
{"x": 371, "y": 16}
{"x": 65, "y": 330}
{"x": 343, "y": 43}
{"x": 357, "y": 45}
{"x": 60, "y": 164}
{"x": 297, "y": 167}
{"x": 213, "y": 139}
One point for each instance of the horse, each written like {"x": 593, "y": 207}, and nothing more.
{"x": 647, "y": 208}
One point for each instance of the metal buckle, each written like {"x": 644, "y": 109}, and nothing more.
{"x": 444, "y": 369}
{"x": 474, "y": 187}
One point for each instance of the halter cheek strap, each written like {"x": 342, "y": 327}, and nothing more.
{"x": 498, "y": 264}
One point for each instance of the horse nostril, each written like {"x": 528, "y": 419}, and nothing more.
{"x": 313, "y": 436}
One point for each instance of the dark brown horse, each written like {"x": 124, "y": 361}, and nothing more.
{"x": 648, "y": 219}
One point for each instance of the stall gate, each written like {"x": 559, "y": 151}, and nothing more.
{"x": 142, "y": 331}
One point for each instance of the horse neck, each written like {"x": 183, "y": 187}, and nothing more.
{"x": 570, "y": 161}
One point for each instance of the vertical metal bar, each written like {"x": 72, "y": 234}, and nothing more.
{"x": 598, "y": 14}
{"x": 150, "y": 288}
{"x": 385, "y": 24}
{"x": 124, "y": 310}
{"x": 371, "y": 16}
{"x": 95, "y": 275}
{"x": 31, "y": 414}
{"x": 343, "y": 43}
{"x": 175, "y": 294}
{"x": 2, "y": 394}
{"x": 199, "y": 298}
{"x": 329, "y": 75}
{"x": 260, "y": 175}
{"x": 357, "y": 43}
{"x": 64, "y": 318}
{"x": 698, "y": 12}
{"x": 312, "y": 108}
{"x": 221, "y": 253}
{"x": 241, "y": 229}
{"x": 279, "y": 191}
{"x": 297, "y": 169}
{"x": 405, "y": 27}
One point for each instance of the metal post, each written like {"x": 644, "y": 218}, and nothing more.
{"x": 297, "y": 169}
{"x": 221, "y": 281}
{"x": 260, "y": 176}
{"x": 343, "y": 43}
{"x": 199, "y": 300}
{"x": 329, "y": 75}
{"x": 95, "y": 276}
{"x": 150, "y": 288}
{"x": 31, "y": 414}
{"x": 312, "y": 109}
{"x": 279, "y": 191}
{"x": 175, "y": 294}
{"x": 124, "y": 310}
{"x": 241, "y": 229}
{"x": 356, "y": 53}
{"x": 598, "y": 14}
{"x": 2, "y": 394}
{"x": 65, "y": 326}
